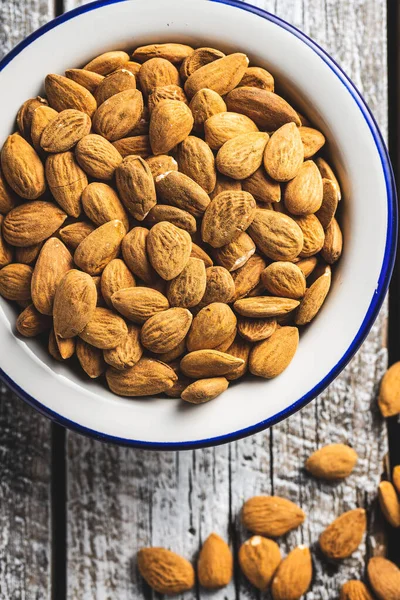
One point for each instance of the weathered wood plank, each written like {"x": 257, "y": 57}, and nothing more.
{"x": 25, "y": 450}
{"x": 119, "y": 499}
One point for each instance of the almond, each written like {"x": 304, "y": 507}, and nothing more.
{"x": 199, "y": 58}
{"x": 313, "y": 235}
{"x": 226, "y": 215}
{"x": 209, "y": 363}
{"x": 119, "y": 115}
{"x": 187, "y": 289}
{"x": 180, "y": 218}
{"x": 327, "y": 173}
{"x": 66, "y": 347}
{"x": 32, "y": 223}
{"x": 234, "y": 255}
{"x": 312, "y": 141}
{"x": 344, "y": 534}
{"x": 294, "y": 575}
{"x": 276, "y": 235}
{"x": 396, "y": 478}
{"x": 15, "y": 282}
{"x": 215, "y": 563}
{"x": 268, "y": 110}
{"x": 6, "y": 251}
{"x": 303, "y": 194}
{"x": 314, "y": 298}
{"x": 259, "y": 558}
{"x": 161, "y": 165}
{"x": 157, "y": 72}
{"x": 198, "y": 252}
{"x": 333, "y": 244}
{"x": 284, "y": 153}
{"x": 28, "y": 255}
{"x": 139, "y": 303}
{"x": 128, "y": 352}
{"x": 265, "y": 306}
{"x": 272, "y": 356}
{"x": 135, "y": 254}
{"x": 22, "y": 168}
{"x": 220, "y": 75}
{"x": 262, "y": 187}
{"x": 169, "y": 249}
{"x": 204, "y": 104}
{"x": 179, "y": 190}
{"x": 307, "y": 265}
{"x": 104, "y": 330}
{"x": 198, "y": 392}
{"x": 74, "y": 303}
{"x": 42, "y": 116}
{"x": 170, "y": 359}
{"x": 165, "y": 571}
{"x": 171, "y": 122}
{"x": 197, "y": 161}
{"x": 31, "y": 322}
{"x": 66, "y": 181}
{"x": 63, "y": 93}
{"x": 116, "y": 82}
{"x": 101, "y": 204}
{"x": 247, "y": 277}
{"x": 271, "y": 516}
{"x": 256, "y": 330}
{"x": 85, "y": 78}
{"x": 116, "y": 276}
{"x": 99, "y": 247}
{"x": 53, "y": 262}
{"x": 354, "y": 590}
{"x": 139, "y": 145}
{"x": 90, "y": 359}
{"x": 284, "y": 279}
{"x": 97, "y": 157}
{"x": 25, "y": 115}
{"x": 166, "y": 92}
{"x": 241, "y": 156}
{"x": 227, "y": 342}
{"x": 224, "y": 126}
{"x": 219, "y": 286}
{"x": 146, "y": 378}
{"x": 389, "y": 393}
{"x": 211, "y": 326}
{"x": 239, "y": 349}
{"x": 136, "y": 186}
{"x": 257, "y": 77}
{"x": 389, "y": 503}
{"x": 8, "y": 198}
{"x": 73, "y": 234}
{"x": 384, "y": 577}
{"x": 334, "y": 461}
{"x": 65, "y": 130}
{"x": 107, "y": 62}
{"x": 165, "y": 330}
{"x": 330, "y": 200}
{"x": 175, "y": 53}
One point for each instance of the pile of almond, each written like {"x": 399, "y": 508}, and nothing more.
{"x": 168, "y": 219}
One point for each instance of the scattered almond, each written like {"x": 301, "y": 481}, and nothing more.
{"x": 334, "y": 461}
{"x": 259, "y": 559}
{"x": 271, "y": 516}
{"x": 343, "y": 536}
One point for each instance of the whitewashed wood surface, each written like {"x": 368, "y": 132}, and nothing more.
{"x": 119, "y": 499}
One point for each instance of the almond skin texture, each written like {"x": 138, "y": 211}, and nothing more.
{"x": 171, "y": 122}
{"x": 135, "y": 254}
{"x": 116, "y": 276}
{"x": 101, "y": 204}
{"x": 128, "y": 352}
{"x": 333, "y": 244}
{"x": 396, "y": 478}
{"x": 42, "y": 116}
{"x": 199, "y": 58}
{"x": 262, "y": 187}
{"x": 332, "y": 462}
{"x": 6, "y": 251}
{"x": 264, "y": 306}
{"x": 304, "y": 194}
{"x": 271, "y": 516}
{"x": 204, "y": 390}
{"x": 65, "y": 130}
{"x": 146, "y": 378}
{"x": 74, "y": 303}
{"x": 313, "y": 299}
{"x": 330, "y": 200}
{"x": 53, "y": 262}
{"x": 119, "y": 115}
{"x": 15, "y": 282}
{"x": 204, "y": 104}
{"x": 25, "y": 115}
{"x": 389, "y": 503}
{"x": 312, "y": 141}
{"x": 165, "y": 571}
{"x": 247, "y": 277}
{"x": 313, "y": 235}
{"x": 22, "y": 168}
{"x": 389, "y": 393}
{"x": 256, "y": 330}
{"x": 221, "y": 75}
{"x": 73, "y": 234}
{"x": 8, "y": 198}
{"x": 224, "y": 126}
{"x": 90, "y": 359}
{"x": 139, "y": 145}
{"x": 241, "y": 156}
{"x": 284, "y": 279}
{"x": 259, "y": 558}
{"x": 196, "y": 160}
{"x": 294, "y": 575}
{"x": 215, "y": 564}
{"x": 268, "y": 110}
{"x": 344, "y": 534}
{"x": 239, "y": 349}
{"x": 135, "y": 185}
{"x": 169, "y": 249}
{"x": 354, "y": 590}
{"x": 28, "y": 255}
{"x": 227, "y": 214}
{"x": 85, "y": 78}
{"x": 179, "y": 190}
{"x": 257, "y": 77}
{"x": 187, "y": 289}
{"x": 97, "y": 157}
{"x": 165, "y": 330}
{"x": 100, "y": 247}
{"x": 166, "y": 92}
{"x": 209, "y": 363}
{"x": 384, "y": 577}
{"x": 157, "y": 72}
{"x": 198, "y": 252}
{"x": 284, "y": 153}
{"x": 139, "y": 303}
{"x": 63, "y": 93}
{"x": 327, "y": 172}
{"x": 161, "y": 164}
{"x": 66, "y": 181}
{"x": 105, "y": 329}
{"x": 31, "y": 322}
{"x": 175, "y": 53}
{"x": 220, "y": 286}
{"x": 272, "y": 356}
{"x": 276, "y": 235}
{"x": 234, "y": 255}
{"x": 177, "y": 216}
{"x": 211, "y": 326}
{"x": 116, "y": 82}
{"x": 107, "y": 62}
{"x": 32, "y": 223}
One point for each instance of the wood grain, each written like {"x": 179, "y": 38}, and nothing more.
{"x": 120, "y": 499}
{"x": 25, "y": 447}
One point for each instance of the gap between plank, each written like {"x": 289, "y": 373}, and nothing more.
{"x": 58, "y": 513}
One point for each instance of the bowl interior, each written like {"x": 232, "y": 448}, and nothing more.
{"x": 330, "y": 102}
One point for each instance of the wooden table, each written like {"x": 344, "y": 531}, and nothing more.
{"x": 73, "y": 511}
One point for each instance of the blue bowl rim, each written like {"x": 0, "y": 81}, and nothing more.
{"x": 377, "y": 299}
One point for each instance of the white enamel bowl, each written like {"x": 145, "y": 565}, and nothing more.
{"x": 369, "y": 221}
